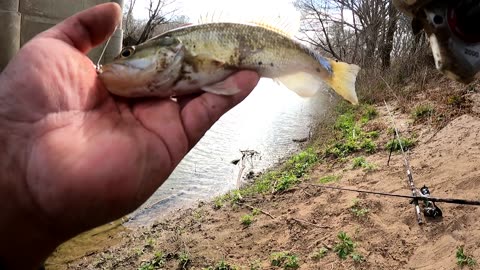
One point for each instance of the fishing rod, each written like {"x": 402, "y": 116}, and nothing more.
{"x": 432, "y": 199}
{"x": 411, "y": 184}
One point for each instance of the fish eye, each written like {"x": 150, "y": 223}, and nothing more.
{"x": 127, "y": 52}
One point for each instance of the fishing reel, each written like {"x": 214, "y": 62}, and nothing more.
{"x": 429, "y": 207}
{"x": 453, "y": 29}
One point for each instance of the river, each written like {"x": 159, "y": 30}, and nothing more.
{"x": 266, "y": 121}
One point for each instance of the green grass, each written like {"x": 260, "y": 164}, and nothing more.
{"x": 394, "y": 145}
{"x": 350, "y": 136}
{"x": 361, "y": 162}
{"x": 279, "y": 180}
{"x": 329, "y": 179}
{"x": 357, "y": 209}
{"x": 345, "y": 246}
{"x": 463, "y": 259}
{"x": 218, "y": 202}
{"x": 456, "y": 101}
{"x": 319, "y": 254}
{"x": 156, "y": 263}
{"x": 285, "y": 260}
{"x": 221, "y": 265}
{"x": 256, "y": 265}
{"x": 184, "y": 260}
{"x": 422, "y": 111}
{"x": 247, "y": 220}
{"x": 369, "y": 113}
{"x": 357, "y": 258}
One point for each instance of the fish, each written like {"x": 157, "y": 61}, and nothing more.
{"x": 197, "y": 57}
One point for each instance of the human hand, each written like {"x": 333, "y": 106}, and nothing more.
{"x": 74, "y": 156}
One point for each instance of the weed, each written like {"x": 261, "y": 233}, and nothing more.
{"x": 369, "y": 113}
{"x": 256, "y": 212}
{"x": 456, "y": 101}
{"x": 353, "y": 138}
{"x": 357, "y": 258}
{"x": 391, "y": 131}
{"x": 236, "y": 196}
{"x": 218, "y": 202}
{"x": 463, "y": 259}
{"x": 184, "y": 259}
{"x": 295, "y": 168}
{"x": 300, "y": 163}
{"x": 422, "y": 111}
{"x": 368, "y": 145}
{"x": 247, "y": 220}
{"x": 359, "y": 212}
{"x": 372, "y": 134}
{"x": 157, "y": 262}
{"x": 149, "y": 243}
{"x": 345, "y": 247}
{"x": 138, "y": 252}
{"x": 329, "y": 179}
{"x": 357, "y": 209}
{"x": 222, "y": 265}
{"x": 285, "y": 259}
{"x": 361, "y": 162}
{"x": 319, "y": 254}
{"x": 394, "y": 145}
{"x": 256, "y": 265}
{"x": 198, "y": 214}
{"x": 286, "y": 181}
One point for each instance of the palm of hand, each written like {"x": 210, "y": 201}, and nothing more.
{"x": 89, "y": 157}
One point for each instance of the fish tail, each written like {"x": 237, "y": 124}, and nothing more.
{"x": 343, "y": 80}
{"x": 341, "y": 77}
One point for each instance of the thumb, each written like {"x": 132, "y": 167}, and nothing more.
{"x": 88, "y": 28}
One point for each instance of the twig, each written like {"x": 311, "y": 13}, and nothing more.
{"x": 261, "y": 211}
{"x": 311, "y": 224}
{"x": 307, "y": 193}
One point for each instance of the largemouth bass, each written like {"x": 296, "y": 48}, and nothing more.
{"x": 186, "y": 59}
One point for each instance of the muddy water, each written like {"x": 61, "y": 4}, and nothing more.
{"x": 267, "y": 122}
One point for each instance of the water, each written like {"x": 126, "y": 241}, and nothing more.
{"x": 266, "y": 121}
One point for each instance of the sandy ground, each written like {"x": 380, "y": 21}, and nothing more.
{"x": 307, "y": 218}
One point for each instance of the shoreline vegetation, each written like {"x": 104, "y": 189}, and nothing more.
{"x": 283, "y": 221}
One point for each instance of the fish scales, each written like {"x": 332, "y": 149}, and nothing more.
{"x": 244, "y": 46}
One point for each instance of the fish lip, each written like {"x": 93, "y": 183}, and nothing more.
{"x": 102, "y": 70}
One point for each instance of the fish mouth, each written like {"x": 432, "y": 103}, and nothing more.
{"x": 110, "y": 69}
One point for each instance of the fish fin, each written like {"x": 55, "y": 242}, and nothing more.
{"x": 343, "y": 80}
{"x": 278, "y": 25}
{"x": 226, "y": 87}
{"x": 288, "y": 27}
{"x": 302, "y": 83}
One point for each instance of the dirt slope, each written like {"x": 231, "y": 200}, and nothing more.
{"x": 306, "y": 218}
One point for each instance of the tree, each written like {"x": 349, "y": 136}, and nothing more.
{"x": 138, "y": 31}
{"x": 359, "y": 31}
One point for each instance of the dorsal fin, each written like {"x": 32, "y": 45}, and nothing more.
{"x": 279, "y": 25}
{"x": 284, "y": 25}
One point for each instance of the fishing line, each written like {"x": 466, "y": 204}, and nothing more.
{"x": 415, "y": 192}
{"x": 432, "y": 199}
{"x": 98, "y": 67}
